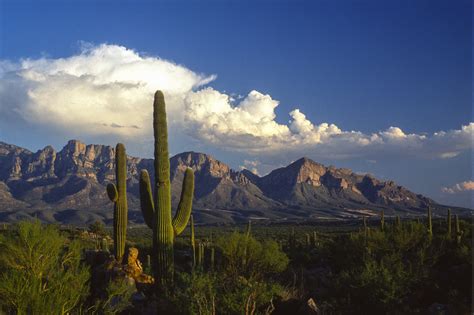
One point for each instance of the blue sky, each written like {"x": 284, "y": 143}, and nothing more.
{"x": 363, "y": 66}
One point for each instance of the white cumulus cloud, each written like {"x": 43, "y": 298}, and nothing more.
{"x": 108, "y": 89}
{"x": 101, "y": 88}
{"x": 460, "y": 187}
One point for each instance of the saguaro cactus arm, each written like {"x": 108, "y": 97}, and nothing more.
{"x": 183, "y": 212}
{"x": 112, "y": 192}
{"x": 146, "y": 198}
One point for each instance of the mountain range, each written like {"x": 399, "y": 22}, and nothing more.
{"x": 68, "y": 187}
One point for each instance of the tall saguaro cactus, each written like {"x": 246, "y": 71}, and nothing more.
{"x": 157, "y": 211}
{"x": 118, "y": 195}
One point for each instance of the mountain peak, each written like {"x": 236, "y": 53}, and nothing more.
{"x": 69, "y": 186}
{"x": 200, "y": 162}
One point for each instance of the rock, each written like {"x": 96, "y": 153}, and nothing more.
{"x": 134, "y": 268}
{"x": 309, "y": 308}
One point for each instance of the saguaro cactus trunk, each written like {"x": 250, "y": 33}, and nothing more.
{"x": 157, "y": 212}
{"x": 382, "y": 221}
{"x": 118, "y": 194}
{"x": 449, "y": 225}
{"x": 430, "y": 223}
{"x": 193, "y": 243}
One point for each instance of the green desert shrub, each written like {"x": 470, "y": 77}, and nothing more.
{"x": 242, "y": 282}
{"x": 244, "y": 256}
{"x": 117, "y": 298}
{"x": 40, "y": 272}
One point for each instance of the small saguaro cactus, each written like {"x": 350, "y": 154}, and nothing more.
{"x": 213, "y": 254}
{"x": 458, "y": 230}
{"x": 247, "y": 237}
{"x": 292, "y": 239}
{"x": 449, "y": 224}
{"x": 193, "y": 242}
{"x": 382, "y": 221}
{"x": 118, "y": 195}
{"x": 157, "y": 211}
{"x": 430, "y": 223}
{"x": 308, "y": 240}
{"x": 315, "y": 238}
{"x": 249, "y": 229}
{"x": 366, "y": 228}
{"x": 104, "y": 245}
{"x": 398, "y": 222}
{"x": 200, "y": 255}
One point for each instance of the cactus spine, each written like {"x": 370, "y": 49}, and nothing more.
{"x": 157, "y": 212}
{"x": 430, "y": 223}
{"x": 118, "y": 195}
{"x": 449, "y": 224}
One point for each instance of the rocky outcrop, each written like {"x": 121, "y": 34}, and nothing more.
{"x": 68, "y": 186}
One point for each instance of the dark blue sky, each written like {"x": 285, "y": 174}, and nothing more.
{"x": 364, "y": 65}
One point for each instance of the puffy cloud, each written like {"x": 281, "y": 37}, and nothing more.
{"x": 460, "y": 187}
{"x": 251, "y": 166}
{"x": 250, "y": 126}
{"x": 96, "y": 91}
{"x": 107, "y": 90}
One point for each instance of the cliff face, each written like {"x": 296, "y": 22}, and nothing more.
{"x": 69, "y": 187}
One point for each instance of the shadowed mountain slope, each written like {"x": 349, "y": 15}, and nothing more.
{"x": 69, "y": 187}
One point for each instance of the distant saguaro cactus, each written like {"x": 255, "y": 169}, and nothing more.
{"x": 382, "y": 221}
{"x": 315, "y": 238}
{"x": 157, "y": 211}
{"x": 292, "y": 239}
{"x": 193, "y": 242}
{"x": 118, "y": 195}
{"x": 398, "y": 222}
{"x": 247, "y": 237}
{"x": 308, "y": 240}
{"x": 430, "y": 223}
{"x": 449, "y": 224}
{"x": 213, "y": 254}
{"x": 458, "y": 230}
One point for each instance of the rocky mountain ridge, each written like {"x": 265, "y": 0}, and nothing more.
{"x": 68, "y": 186}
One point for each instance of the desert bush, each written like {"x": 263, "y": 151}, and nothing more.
{"x": 244, "y": 256}
{"x": 117, "y": 298}
{"x": 39, "y": 272}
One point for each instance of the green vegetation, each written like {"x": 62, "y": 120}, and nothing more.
{"x": 118, "y": 195}
{"x": 41, "y": 271}
{"x": 245, "y": 271}
{"x": 157, "y": 212}
{"x": 252, "y": 269}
